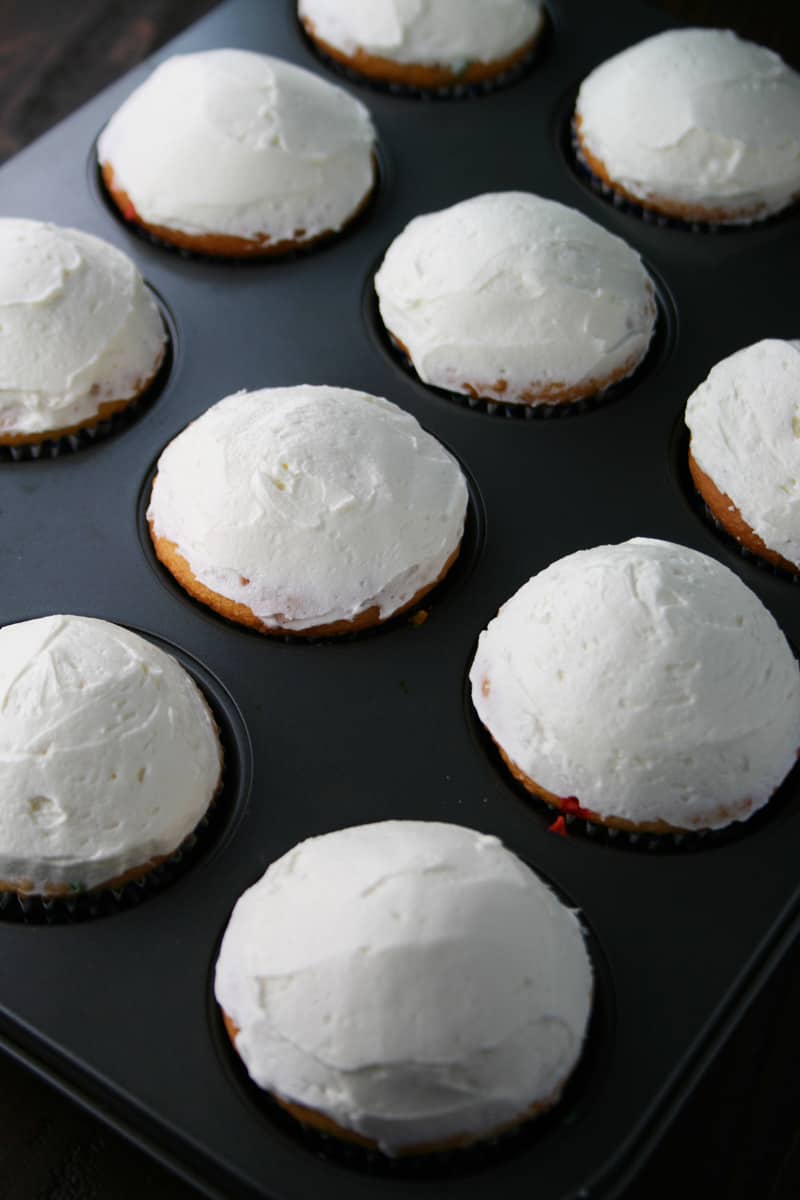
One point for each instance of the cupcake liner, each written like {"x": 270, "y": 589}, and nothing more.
{"x": 679, "y": 842}
{"x": 681, "y": 444}
{"x": 472, "y": 541}
{"x": 570, "y": 825}
{"x": 452, "y": 91}
{"x": 650, "y": 217}
{"x": 53, "y": 447}
{"x": 748, "y": 555}
{"x": 438, "y": 1164}
{"x": 663, "y": 336}
{"x": 16, "y": 908}
{"x": 577, "y": 1094}
{"x": 319, "y": 243}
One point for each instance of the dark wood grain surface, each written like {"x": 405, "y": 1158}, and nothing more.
{"x": 738, "y": 1138}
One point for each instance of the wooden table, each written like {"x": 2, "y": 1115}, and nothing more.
{"x": 739, "y": 1136}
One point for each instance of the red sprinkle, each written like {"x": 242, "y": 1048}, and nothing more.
{"x": 128, "y": 211}
{"x": 559, "y": 826}
{"x": 571, "y": 806}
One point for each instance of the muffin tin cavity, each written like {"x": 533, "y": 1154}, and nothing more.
{"x": 453, "y": 91}
{"x": 322, "y": 242}
{"x": 569, "y": 149}
{"x": 54, "y": 447}
{"x": 659, "y": 350}
{"x": 568, "y": 825}
{"x": 215, "y": 828}
{"x": 579, "y": 1098}
{"x": 679, "y": 462}
{"x": 456, "y": 578}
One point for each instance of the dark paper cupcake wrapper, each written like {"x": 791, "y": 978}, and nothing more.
{"x": 660, "y": 343}
{"x": 568, "y": 825}
{"x": 450, "y": 91}
{"x": 54, "y": 447}
{"x": 319, "y": 243}
{"x": 678, "y": 842}
{"x": 748, "y": 555}
{"x": 577, "y": 1096}
{"x": 104, "y": 901}
{"x": 648, "y": 215}
{"x": 680, "y": 453}
{"x": 472, "y": 541}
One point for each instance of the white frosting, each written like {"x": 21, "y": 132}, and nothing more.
{"x": 697, "y": 117}
{"x": 323, "y": 500}
{"x": 235, "y": 143}
{"x": 413, "y": 981}
{"x": 78, "y": 328}
{"x": 745, "y": 424}
{"x": 109, "y": 755}
{"x": 513, "y": 288}
{"x": 645, "y": 680}
{"x": 445, "y": 33}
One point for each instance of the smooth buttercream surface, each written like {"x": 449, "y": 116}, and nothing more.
{"x": 310, "y": 505}
{"x": 645, "y": 680}
{"x": 109, "y": 755}
{"x": 513, "y": 290}
{"x": 241, "y": 144}
{"x": 78, "y": 328}
{"x": 426, "y": 32}
{"x": 745, "y": 426}
{"x": 413, "y": 981}
{"x": 699, "y": 117}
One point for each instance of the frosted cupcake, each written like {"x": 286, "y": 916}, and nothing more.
{"x": 642, "y": 686}
{"x": 228, "y": 152}
{"x": 407, "y": 985}
{"x": 110, "y": 756}
{"x": 695, "y": 124}
{"x": 509, "y": 297}
{"x": 82, "y": 338}
{"x": 425, "y": 43}
{"x": 307, "y": 510}
{"x": 744, "y": 454}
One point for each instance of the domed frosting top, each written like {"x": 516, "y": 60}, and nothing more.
{"x": 240, "y": 144}
{"x": 109, "y": 756}
{"x": 745, "y": 425}
{"x": 646, "y": 681}
{"x": 441, "y": 32}
{"x": 699, "y": 117}
{"x": 79, "y": 328}
{"x": 412, "y": 981}
{"x": 507, "y": 294}
{"x": 310, "y": 505}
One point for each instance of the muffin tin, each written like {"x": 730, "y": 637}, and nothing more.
{"x": 118, "y": 1010}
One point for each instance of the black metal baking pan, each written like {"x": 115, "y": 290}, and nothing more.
{"x": 117, "y": 1009}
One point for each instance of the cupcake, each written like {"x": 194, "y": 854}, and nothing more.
{"x": 512, "y": 298}
{"x": 744, "y": 453}
{"x": 232, "y": 153}
{"x": 642, "y": 686}
{"x": 110, "y": 756}
{"x": 695, "y": 124}
{"x": 432, "y": 45}
{"x": 307, "y": 510}
{"x": 409, "y": 985}
{"x": 82, "y": 338}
